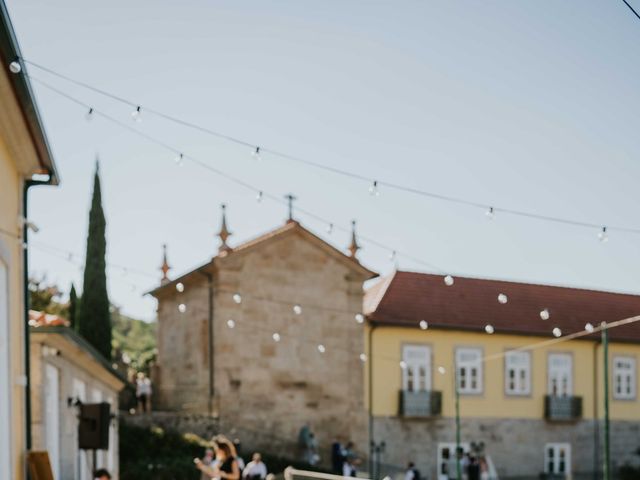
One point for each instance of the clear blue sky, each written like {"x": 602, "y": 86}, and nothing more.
{"x": 529, "y": 105}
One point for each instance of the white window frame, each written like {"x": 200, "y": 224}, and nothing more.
{"x": 552, "y": 463}
{"x": 52, "y": 419}
{"x": 469, "y": 373}
{"x": 517, "y": 373}
{"x": 553, "y": 370}
{"x": 624, "y": 378}
{"x": 416, "y": 374}
{"x": 6, "y": 445}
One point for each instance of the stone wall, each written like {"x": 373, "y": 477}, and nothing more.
{"x": 266, "y": 391}
{"x": 516, "y": 446}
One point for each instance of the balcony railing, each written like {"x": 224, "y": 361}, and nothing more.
{"x": 423, "y": 404}
{"x": 562, "y": 409}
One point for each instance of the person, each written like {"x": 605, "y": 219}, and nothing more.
{"x": 337, "y": 456}
{"x": 473, "y": 468}
{"x": 143, "y": 392}
{"x": 412, "y": 472}
{"x": 101, "y": 474}
{"x": 351, "y": 460}
{"x": 209, "y": 461}
{"x": 255, "y": 469}
{"x": 226, "y": 467}
{"x": 236, "y": 453}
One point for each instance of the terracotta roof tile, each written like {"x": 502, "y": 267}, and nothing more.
{"x": 472, "y": 303}
{"x": 41, "y": 319}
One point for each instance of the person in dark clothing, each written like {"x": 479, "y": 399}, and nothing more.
{"x": 337, "y": 457}
{"x": 473, "y": 468}
{"x": 227, "y": 466}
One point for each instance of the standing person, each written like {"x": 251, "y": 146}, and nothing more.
{"x": 101, "y": 474}
{"x": 412, "y": 472}
{"x": 143, "y": 392}
{"x": 473, "y": 468}
{"x": 255, "y": 469}
{"x": 351, "y": 461}
{"x": 207, "y": 460}
{"x": 226, "y": 467}
{"x": 236, "y": 453}
{"x": 337, "y": 456}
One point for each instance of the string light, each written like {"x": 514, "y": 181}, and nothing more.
{"x": 237, "y": 298}
{"x": 321, "y": 348}
{"x": 544, "y": 314}
{"x": 180, "y": 287}
{"x": 256, "y": 154}
{"x": 359, "y": 318}
{"x": 373, "y": 189}
{"x": 297, "y": 309}
{"x": 442, "y": 370}
{"x": 557, "y": 332}
{"x": 588, "y": 327}
{"x": 392, "y": 256}
{"x": 489, "y": 329}
{"x": 330, "y": 228}
{"x": 259, "y": 196}
{"x": 15, "y": 67}
{"x": 490, "y": 214}
{"x": 502, "y": 298}
{"x": 89, "y": 115}
{"x": 137, "y": 114}
{"x": 448, "y": 280}
{"x": 363, "y": 357}
{"x": 276, "y": 337}
{"x": 603, "y": 236}
{"x": 179, "y": 159}
{"x": 231, "y": 323}
{"x": 182, "y": 308}
{"x": 403, "y": 364}
{"x": 424, "y": 324}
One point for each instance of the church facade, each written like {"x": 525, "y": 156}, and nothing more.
{"x": 265, "y": 338}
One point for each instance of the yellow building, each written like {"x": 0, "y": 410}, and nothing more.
{"x": 531, "y": 397}
{"x": 23, "y": 153}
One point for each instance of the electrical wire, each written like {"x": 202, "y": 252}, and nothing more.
{"x": 632, "y": 9}
{"x": 342, "y": 172}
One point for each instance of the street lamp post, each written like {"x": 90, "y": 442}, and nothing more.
{"x": 458, "y": 446}
{"x": 605, "y": 348}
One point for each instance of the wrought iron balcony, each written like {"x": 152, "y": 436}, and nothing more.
{"x": 562, "y": 409}
{"x": 423, "y": 404}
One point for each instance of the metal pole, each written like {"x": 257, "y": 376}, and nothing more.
{"x": 458, "y": 447}
{"x": 607, "y": 459}
{"x": 370, "y": 395}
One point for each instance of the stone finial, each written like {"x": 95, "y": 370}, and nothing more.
{"x": 224, "y": 233}
{"x": 165, "y": 265}
{"x": 353, "y": 247}
{"x": 290, "y": 199}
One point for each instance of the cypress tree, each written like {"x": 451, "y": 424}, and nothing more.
{"x": 94, "y": 318}
{"x": 73, "y": 307}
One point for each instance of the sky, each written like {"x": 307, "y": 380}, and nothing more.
{"x": 523, "y": 105}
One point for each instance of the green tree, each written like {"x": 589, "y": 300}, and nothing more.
{"x": 45, "y": 298}
{"x": 72, "y": 309}
{"x": 94, "y": 318}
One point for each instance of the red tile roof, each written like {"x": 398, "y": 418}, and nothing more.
{"x": 471, "y": 303}
{"x": 41, "y": 319}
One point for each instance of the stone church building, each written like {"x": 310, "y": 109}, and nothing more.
{"x": 266, "y": 337}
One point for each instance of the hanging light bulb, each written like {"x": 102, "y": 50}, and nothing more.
{"x": 137, "y": 114}
{"x": 392, "y": 256}
{"x": 403, "y": 365}
{"x": 489, "y": 329}
{"x": 448, "y": 280}
{"x": 589, "y": 327}
{"x": 603, "y": 236}
{"x": 180, "y": 287}
{"x": 330, "y": 228}
{"x": 89, "y": 115}
{"x": 502, "y": 298}
{"x": 363, "y": 357}
{"x": 544, "y": 314}
{"x": 231, "y": 323}
{"x": 15, "y": 67}
{"x": 237, "y": 298}
{"x": 321, "y": 348}
{"x": 276, "y": 337}
{"x": 297, "y": 309}
{"x": 179, "y": 159}
{"x": 373, "y": 189}
{"x": 359, "y": 318}
{"x": 182, "y": 308}
{"x": 424, "y": 324}
{"x": 442, "y": 370}
{"x": 490, "y": 213}
{"x": 557, "y": 332}
{"x": 256, "y": 154}
{"x": 259, "y": 196}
